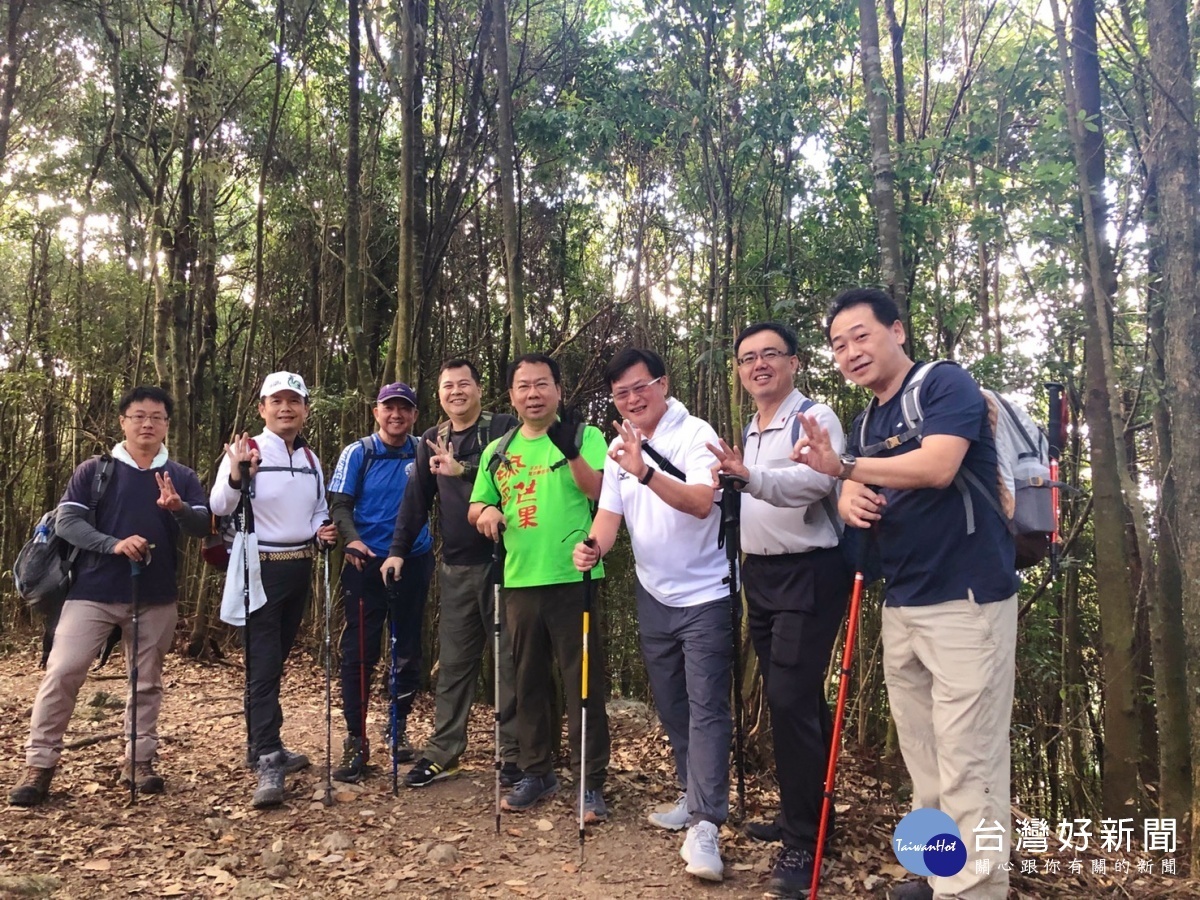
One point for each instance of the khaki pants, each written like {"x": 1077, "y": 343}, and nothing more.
{"x": 80, "y": 635}
{"x": 950, "y": 669}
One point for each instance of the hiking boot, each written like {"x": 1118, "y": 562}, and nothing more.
{"x": 356, "y": 752}
{"x": 702, "y": 852}
{"x": 33, "y": 788}
{"x": 510, "y": 775}
{"x": 426, "y": 772}
{"x": 404, "y": 750}
{"x": 530, "y": 790}
{"x": 270, "y": 781}
{"x": 911, "y": 890}
{"x": 674, "y": 819}
{"x": 293, "y": 763}
{"x": 148, "y": 781}
{"x": 792, "y": 874}
{"x": 594, "y": 809}
{"x": 766, "y": 832}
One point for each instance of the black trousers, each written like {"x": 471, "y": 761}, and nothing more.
{"x": 268, "y": 639}
{"x": 369, "y": 604}
{"x": 796, "y": 603}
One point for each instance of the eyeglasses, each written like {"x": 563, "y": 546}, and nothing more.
{"x": 142, "y": 419}
{"x": 768, "y": 356}
{"x": 622, "y": 395}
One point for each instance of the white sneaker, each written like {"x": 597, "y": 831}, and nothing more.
{"x": 674, "y": 819}
{"x": 702, "y": 852}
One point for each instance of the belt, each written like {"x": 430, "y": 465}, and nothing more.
{"x": 285, "y": 555}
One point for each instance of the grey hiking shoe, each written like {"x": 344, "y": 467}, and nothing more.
{"x": 356, "y": 752}
{"x": 594, "y": 808}
{"x": 270, "y": 781}
{"x": 294, "y": 762}
{"x": 33, "y": 788}
{"x": 530, "y": 790}
{"x": 148, "y": 781}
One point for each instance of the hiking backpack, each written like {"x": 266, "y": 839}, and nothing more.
{"x": 45, "y": 568}
{"x": 1025, "y": 502}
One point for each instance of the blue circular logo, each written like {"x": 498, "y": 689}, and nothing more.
{"x": 927, "y": 842}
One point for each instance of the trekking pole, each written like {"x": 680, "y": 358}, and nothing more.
{"x": 583, "y": 695}
{"x": 135, "y": 578}
{"x": 327, "y": 799}
{"x": 247, "y": 527}
{"x": 362, "y": 681}
{"x": 731, "y": 518}
{"x": 843, "y": 690}
{"x": 1057, "y": 431}
{"x": 393, "y": 683}
{"x": 497, "y": 583}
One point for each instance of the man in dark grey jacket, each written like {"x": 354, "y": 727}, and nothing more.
{"x": 150, "y": 500}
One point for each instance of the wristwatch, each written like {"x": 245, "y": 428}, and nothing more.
{"x": 849, "y": 461}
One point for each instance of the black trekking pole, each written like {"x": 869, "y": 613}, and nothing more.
{"x": 247, "y": 530}
{"x": 835, "y": 740}
{"x": 497, "y": 583}
{"x": 588, "y": 589}
{"x": 393, "y": 683}
{"x": 327, "y": 799}
{"x": 135, "y": 578}
{"x": 731, "y": 519}
{"x": 1057, "y": 433}
{"x": 363, "y": 694}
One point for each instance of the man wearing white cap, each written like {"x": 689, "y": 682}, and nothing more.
{"x": 287, "y": 493}
{"x": 364, "y": 498}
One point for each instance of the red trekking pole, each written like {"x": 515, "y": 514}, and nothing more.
{"x": 835, "y": 742}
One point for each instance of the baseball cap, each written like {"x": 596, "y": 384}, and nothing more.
{"x": 397, "y": 391}
{"x": 283, "y": 381}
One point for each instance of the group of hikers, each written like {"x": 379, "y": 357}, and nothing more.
{"x": 554, "y": 494}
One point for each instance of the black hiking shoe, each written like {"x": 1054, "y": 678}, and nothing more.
{"x": 911, "y": 890}
{"x": 510, "y": 775}
{"x": 293, "y": 763}
{"x": 148, "y": 781}
{"x": 404, "y": 750}
{"x": 426, "y": 772}
{"x": 764, "y": 831}
{"x": 270, "y": 781}
{"x": 792, "y": 874}
{"x": 356, "y": 752}
{"x": 33, "y": 788}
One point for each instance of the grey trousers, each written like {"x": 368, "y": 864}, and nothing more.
{"x": 465, "y": 621}
{"x": 81, "y": 633}
{"x": 689, "y": 653}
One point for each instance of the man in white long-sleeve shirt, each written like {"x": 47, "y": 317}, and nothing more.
{"x": 289, "y": 509}
{"x": 796, "y": 584}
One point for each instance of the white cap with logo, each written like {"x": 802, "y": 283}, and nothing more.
{"x": 283, "y": 381}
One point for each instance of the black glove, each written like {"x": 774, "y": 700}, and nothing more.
{"x": 562, "y": 435}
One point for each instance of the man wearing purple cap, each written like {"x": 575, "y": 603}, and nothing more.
{"x": 364, "y": 497}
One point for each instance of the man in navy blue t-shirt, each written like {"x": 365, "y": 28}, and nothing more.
{"x": 364, "y": 500}
{"x": 950, "y": 612}
{"x": 137, "y": 522}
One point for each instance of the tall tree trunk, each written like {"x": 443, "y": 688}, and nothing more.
{"x": 508, "y": 200}
{"x": 1110, "y": 477}
{"x": 884, "y": 196}
{"x": 360, "y": 360}
{"x": 1176, "y": 171}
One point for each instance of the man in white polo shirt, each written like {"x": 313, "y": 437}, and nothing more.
{"x": 657, "y": 478}
{"x": 289, "y": 509}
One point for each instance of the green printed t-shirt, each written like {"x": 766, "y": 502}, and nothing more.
{"x": 545, "y": 513}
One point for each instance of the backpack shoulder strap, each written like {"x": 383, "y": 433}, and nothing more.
{"x": 828, "y": 503}
{"x": 500, "y": 457}
{"x": 100, "y": 479}
{"x": 663, "y": 463}
{"x": 443, "y": 431}
{"x": 910, "y": 408}
{"x": 483, "y": 429}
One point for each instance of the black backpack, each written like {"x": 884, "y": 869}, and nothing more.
{"x": 45, "y": 568}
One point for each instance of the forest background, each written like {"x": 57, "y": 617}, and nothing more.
{"x": 197, "y": 192}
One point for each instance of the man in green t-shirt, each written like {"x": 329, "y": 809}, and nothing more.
{"x": 541, "y": 490}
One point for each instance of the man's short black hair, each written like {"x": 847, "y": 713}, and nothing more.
{"x": 533, "y": 359}
{"x": 458, "y": 364}
{"x": 147, "y": 392}
{"x": 630, "y": 357}
{"x": 785, "y": 334}
{"x": 882, "y": 305}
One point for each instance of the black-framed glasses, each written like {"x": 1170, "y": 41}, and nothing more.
{"x": 142, "y": 418}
